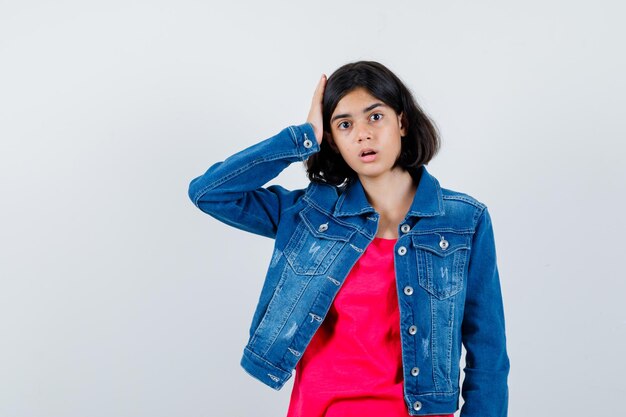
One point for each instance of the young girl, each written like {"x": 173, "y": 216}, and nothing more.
{"x": 378, "y": 274}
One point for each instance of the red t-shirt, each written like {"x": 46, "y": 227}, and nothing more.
{"x": 353, "y": 365}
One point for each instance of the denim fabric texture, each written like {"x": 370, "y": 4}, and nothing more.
{"x": 445, "y": 262}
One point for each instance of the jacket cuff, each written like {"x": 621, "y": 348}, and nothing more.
{"x": 304, "y": 138}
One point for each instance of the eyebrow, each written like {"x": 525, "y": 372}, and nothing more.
{"x": 372, "y": 107}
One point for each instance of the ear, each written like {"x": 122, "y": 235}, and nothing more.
{"x": 404, "y": 125}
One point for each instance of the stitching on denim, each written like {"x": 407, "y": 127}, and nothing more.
{"x": 340, "y": 200}
{"x": 275, "y": 257}
{"x": 293, "y": 243}
{"x": 329, "y": 214}
{"x": 449, "y": 349}
{"x": 278, "y": 387}
{"x": 331, "y": 249}
{"x": 268, "y": 310}
{"x": 354, "y": 213}
{"x": 436, "y": 394}
{"x": 441, "y": 230}
{"x": 317, "y": 206}
{"x": 262, "y": 359}
{"x": 293, "y": 135}
{"x": 477, "y": 216}
{"x": 237, "y": 172}
{"x": 407, "y": 315}
{"x": 312, "y": 203}
{"x": 260, "y": 220}
{"x": 286, "y": 314}
{"x": 293, "y": 306}
{"x": 468, "y": 200}
{"x": 352, "y": 230}
{"x": 433, "y": 341}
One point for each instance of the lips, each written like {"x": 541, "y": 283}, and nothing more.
{"x": 367, "y": 155}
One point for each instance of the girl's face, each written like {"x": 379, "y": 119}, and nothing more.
{"x": 367, "y": 133}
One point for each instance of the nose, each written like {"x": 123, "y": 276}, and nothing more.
{"x": 362, "y": 131}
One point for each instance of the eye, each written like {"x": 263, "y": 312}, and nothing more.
{"x": 376, "y": 116}
{"x": 343, "y": 125}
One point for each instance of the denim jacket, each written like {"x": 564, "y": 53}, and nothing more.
{"x": 445, "y": 262}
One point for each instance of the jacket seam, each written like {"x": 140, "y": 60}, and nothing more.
{"x": 471, "y": 201}
{"x": 334, "y": 218}
{"x": 265, "y": 360}
{"x": 236, "y": 173}
{"x": 477, "y": 215}
{"x": 436, "y": 394}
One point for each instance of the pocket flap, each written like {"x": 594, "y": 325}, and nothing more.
{"x": 324, "y": 226}
{"x": 442, "y": 243}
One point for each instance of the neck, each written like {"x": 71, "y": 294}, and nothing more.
{"x": 390, "y": 194}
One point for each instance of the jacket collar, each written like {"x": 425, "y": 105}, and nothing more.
{"x": 428, "y": 200}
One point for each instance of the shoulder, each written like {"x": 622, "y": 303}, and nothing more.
{"x": 458, "y": 197}
{"x": 454, "y": 205}
{"x": 462, "y": 205}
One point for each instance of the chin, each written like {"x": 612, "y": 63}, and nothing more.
{"x": 372, "y": 171}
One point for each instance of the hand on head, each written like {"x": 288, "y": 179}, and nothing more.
{"x": 315, "y": 113}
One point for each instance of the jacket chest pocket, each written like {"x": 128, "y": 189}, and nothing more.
{"x": 442, "y": 261}
{"x": 316, "y": 242}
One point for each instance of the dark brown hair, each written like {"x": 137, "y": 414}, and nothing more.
{"x": 420, "y": 144}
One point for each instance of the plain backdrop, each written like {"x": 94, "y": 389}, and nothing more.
{"x": 119, "y": 298}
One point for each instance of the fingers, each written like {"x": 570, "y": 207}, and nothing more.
{"x": 315, "y": 112}
{"x": 319, "y": 90}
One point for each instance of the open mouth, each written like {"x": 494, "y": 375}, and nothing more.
{"x": 368, "y": 155}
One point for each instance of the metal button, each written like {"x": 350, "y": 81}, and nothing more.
{"x": 323, "y": 227}
{"x": 415, "y": 371}
{"x": 307, "y": 143}
{"x": 401, "y": 250}
{"x": 443, "y": 244}
{"x": 417, "y": 406}
{"x": 405, "y": 228}
{"x": 412, "y": 329}
{"x": 408, "y": 290}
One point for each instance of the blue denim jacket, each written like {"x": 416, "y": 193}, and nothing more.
{"x": 445, "y": 262}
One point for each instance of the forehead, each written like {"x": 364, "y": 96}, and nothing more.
{"x": 355, "y": 101}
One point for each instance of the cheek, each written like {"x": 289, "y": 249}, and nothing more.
{"x": 338, "y": 143}
{"x": 347, "y": 154}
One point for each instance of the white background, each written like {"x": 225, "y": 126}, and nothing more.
{"x": 119, "y": 298}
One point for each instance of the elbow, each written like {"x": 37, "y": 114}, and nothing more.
{"x": 205, "y": 197}
{"x": 194, "y": 192}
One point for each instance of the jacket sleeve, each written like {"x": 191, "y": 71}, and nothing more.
{"x": 232, "y": 190}
{"x": 485, "y": 387}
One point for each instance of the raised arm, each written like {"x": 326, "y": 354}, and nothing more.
{"x": 232, "y": 190}
{"x": 485, "y": 388}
